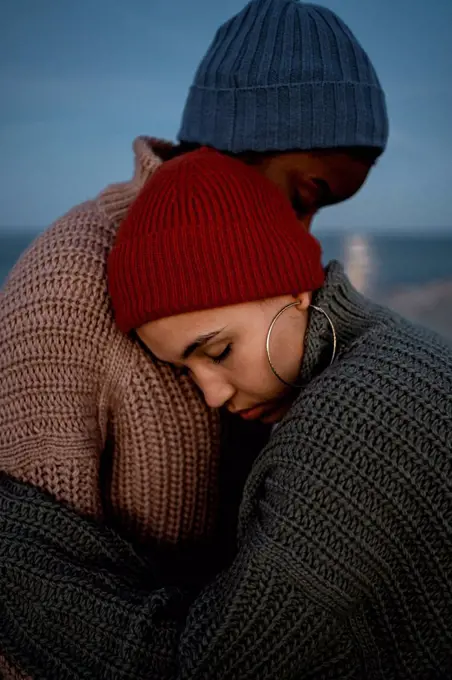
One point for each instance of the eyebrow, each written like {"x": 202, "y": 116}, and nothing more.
{"x": 199, "y": 342}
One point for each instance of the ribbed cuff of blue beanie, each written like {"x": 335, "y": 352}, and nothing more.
{"x": 285, "y": 117}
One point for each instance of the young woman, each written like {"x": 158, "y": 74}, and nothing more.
{"x": 344, "y": 564}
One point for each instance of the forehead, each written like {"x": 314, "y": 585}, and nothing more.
{"x": 182, "y": 324}
{"x": 176, "y": 330}
{"x": 171, "y": 335}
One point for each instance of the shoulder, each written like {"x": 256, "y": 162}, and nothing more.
{"x": 55, "y": 302}
{"x": 394, "y": 360}
{"x": 396, "y": 380}
{"x": 75, "y": 243}
{"x": 367, "y": 437}
{"x": 64, "y": 266}
{"x": 394, "y": 357}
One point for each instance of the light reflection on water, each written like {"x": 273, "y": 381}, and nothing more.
{"x": 410, "y": 274}
{"x": 360, "y": 262}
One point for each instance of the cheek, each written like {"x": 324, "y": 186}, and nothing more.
{"x": 286, "y": 350}
{"x": 253, "y": 376}
{"x": 250, "y": 372}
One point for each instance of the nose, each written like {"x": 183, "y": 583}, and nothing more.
{"x": 216, "y": 390}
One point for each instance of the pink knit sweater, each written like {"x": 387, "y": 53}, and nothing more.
{"x": 84, "y": 413}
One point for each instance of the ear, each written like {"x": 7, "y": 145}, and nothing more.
{"x": 304, "y": 300}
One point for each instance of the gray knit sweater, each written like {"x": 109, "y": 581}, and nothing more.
{"x": 344, "y": 560}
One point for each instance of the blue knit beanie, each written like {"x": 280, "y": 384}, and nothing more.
{"x": 285, "y": 75}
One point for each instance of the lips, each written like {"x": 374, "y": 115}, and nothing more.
{"x": 269, "y": 412}
{"x": 256, "y": 412}
{"x": 252, "y": 413}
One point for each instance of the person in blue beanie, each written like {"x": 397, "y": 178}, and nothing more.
{"x": 287, "y": 87}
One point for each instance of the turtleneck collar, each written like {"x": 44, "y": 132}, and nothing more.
{"x": 350, "y": 313}
{"x": 149, "y": 154}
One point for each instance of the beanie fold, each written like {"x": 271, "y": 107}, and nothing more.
{"x": 187, "y": 271}
{"x": 286, "y": 117}
{"x": 285, "y": 75}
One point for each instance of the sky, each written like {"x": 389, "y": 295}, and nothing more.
{"x": 79, "y": 80}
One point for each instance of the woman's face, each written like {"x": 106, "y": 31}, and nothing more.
{"x": 224, "y": 352}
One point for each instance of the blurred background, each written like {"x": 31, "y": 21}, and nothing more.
{"x": 79, "y": 80}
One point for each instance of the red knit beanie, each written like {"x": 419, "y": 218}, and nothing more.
{"x": 207, "y": 231}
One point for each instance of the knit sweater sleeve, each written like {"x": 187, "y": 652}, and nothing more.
{"x": 76, "y": 601}
{"x": 279, "y": 611}
{"x": 269, "y": 616}
{"x": 53, "y": 333}
{"x": 262, "y": 620}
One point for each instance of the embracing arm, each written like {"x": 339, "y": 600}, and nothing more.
{"x": 77, "y": 602}
{"x": 52, "y": 359}
{"x": 257, "y": 621}
{"x": 273, "y": 614}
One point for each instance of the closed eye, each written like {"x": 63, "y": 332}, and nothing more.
{"x": 224, "y": 355}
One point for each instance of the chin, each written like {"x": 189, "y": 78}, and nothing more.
{"x": 276, "y": 415}
{"x": 270, "y": 420}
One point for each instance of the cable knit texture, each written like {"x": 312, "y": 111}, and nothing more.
{"x": 344, "y": 565}
{"x": 85, "y": 414}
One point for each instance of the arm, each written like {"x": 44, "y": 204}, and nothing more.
{"x": 271, "y": 615}
{"x": 76, "y": 601}
{"x": 258, "y": 621}
{"x": 268, "y": 616}
{"x": 51, "y": 364}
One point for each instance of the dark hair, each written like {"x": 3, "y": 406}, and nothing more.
{"x": 184, "y": 147}
{"x": 367, "y": 154}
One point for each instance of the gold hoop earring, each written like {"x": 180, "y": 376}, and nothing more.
{"x": 275, "y": 319}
